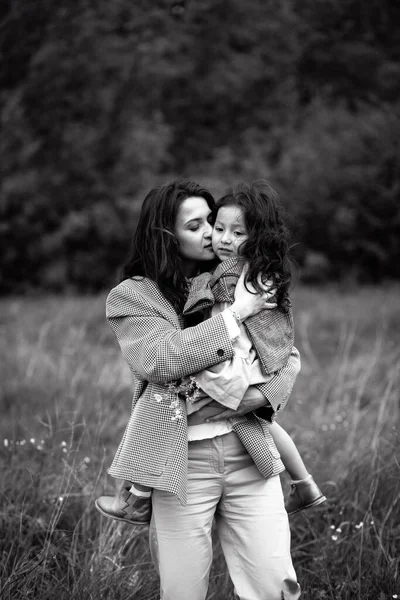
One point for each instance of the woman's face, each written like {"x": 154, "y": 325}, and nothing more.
{"x": 229, "y": 232}
{"x": 193, "y": 231}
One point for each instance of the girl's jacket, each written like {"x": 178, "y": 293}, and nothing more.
{"x": 271, "y": 330}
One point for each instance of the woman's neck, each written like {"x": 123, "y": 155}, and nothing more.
{"x": 190, "y": 268}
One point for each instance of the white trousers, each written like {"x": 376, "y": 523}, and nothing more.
{"x": 252, "y": 524}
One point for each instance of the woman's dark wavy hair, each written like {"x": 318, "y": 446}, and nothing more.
{"x": 267, "y": 248}
{"x": 155, "y": 249}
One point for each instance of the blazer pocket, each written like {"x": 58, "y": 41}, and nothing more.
{"x": 151, "y": 434}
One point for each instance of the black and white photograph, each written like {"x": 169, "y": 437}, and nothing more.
{"x": 199, "y": 300}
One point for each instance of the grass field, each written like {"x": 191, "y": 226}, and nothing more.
{"x": 65, "y": 399}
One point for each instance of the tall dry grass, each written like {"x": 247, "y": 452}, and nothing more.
{"x": 65, "y": 398}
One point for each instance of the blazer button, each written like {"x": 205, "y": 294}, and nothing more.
{"x": 220, "y": 352}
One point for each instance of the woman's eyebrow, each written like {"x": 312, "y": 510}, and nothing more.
{"x": 193, "y": 220}
{"x": 197, "y": 219}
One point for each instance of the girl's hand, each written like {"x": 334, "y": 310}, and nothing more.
{"x": 248, "y": 301}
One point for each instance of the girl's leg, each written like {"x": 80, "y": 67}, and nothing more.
{"x": 304, "y": 491}
{"x": 131, "y": 504}
{"x": 290, "y": 456}
{"x": 180, "y": 536}
{"x": 253, "y": 528}
{"x": 140, "y": 490}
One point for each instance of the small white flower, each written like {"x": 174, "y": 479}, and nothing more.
{"x": 63, "y": 444}
{"x": 22, "y": 442}
{"x": 334, "y": 537}
{"x": 158, "y": 397}
{"x": 178, "y": 415}
{"x": 65, "y": 450}
{"x": 324, "y": 427}
{"x": 32, "y": 440}
{"x": 87, "y": 460}
{"x": 338, "y": 530}
{"x": 60, "y": 499}
{"x": 333, "y": 527}
{"x": 173, "y": 388}
{"x": 5, "y": 442}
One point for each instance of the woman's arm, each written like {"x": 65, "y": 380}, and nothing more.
{"x": 270, "y": 396}
{"x": 154, "y": 347}
{"x": 148, "y": 330}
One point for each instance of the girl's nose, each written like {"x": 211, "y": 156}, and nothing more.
{"x": 226, "y": 238}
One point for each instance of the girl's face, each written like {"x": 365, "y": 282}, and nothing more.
{"x": 229, "y": 232}
{"x": 193, "y": 231}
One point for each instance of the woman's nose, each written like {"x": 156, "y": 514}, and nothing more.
{"x": 208, "y": 231}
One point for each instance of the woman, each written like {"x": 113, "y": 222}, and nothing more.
{"x": 211, "y": 478}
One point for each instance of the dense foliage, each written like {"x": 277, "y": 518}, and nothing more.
{"x": 100, "y": 101}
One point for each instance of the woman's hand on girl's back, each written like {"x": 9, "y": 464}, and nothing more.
{"x": 252, "y": 400}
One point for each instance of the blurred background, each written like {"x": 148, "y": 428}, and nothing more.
{"x": 100, "y": 101}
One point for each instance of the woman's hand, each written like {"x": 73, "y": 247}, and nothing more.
{"x": 252, "y": 400}
{"x": 248, "y": 301}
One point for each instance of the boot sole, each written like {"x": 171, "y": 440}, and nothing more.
{"x": 125, "y": 520}
{"x": 316, "y": 502}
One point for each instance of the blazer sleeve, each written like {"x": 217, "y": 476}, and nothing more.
{"x": 154, "y": 345}
{"x": 279, "y": 388}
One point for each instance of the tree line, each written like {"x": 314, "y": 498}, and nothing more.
{"x": 102, "y": 100}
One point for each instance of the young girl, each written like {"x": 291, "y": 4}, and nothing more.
{"x": 248, "y": 227}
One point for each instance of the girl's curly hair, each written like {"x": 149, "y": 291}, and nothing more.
{"x": 267, "y": 247}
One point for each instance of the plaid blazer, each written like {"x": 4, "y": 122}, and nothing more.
{"x": 271, "y": 331}
{"x": 154, "y": 447}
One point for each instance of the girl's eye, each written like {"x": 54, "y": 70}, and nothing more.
{"x": 218, "y": 228}
{"x": 238, "y": 233}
